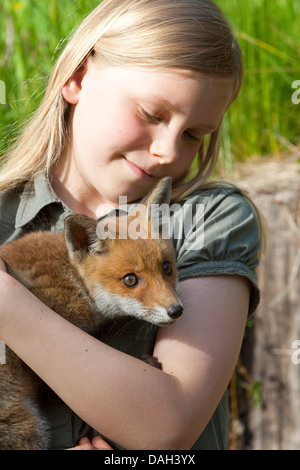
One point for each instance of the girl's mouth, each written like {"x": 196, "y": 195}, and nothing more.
{"x": 141, "y": 174}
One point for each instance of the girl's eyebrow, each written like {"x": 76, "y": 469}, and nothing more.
{"x": 163, "y": 103}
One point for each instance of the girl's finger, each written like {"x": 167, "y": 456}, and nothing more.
{"x": 101, "y": 444}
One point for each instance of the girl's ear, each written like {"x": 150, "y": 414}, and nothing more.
{"x": 72, "y": 88}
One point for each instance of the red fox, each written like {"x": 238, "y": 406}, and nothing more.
{"x": 86, "y": 280}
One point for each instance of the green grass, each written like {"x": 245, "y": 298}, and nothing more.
{"x": 32, "y": 33}
{"x": 262, "y": 121}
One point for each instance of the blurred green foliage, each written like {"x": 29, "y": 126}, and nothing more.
{"x": 32, "y": 34}
{"x": 264, "y": 120}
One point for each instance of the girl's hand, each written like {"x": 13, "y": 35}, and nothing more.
{"x": 97, "y": 444}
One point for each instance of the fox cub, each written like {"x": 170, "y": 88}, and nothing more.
{"x": 86, "y": 278}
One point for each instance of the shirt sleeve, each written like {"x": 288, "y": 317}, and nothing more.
{"x": 217, "y": 232}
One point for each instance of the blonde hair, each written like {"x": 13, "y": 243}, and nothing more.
{"x": 179, "y": 34}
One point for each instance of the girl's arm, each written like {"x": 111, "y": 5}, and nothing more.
{"x": 131, "y": 402}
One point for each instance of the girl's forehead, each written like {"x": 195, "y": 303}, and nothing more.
{"x": 171, "y": 88}
{"x": 162, "y": 78}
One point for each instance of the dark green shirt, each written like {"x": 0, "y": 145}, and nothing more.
{"x": 219, "y": 234}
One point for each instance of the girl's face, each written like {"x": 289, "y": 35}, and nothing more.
{"x": 131, "y": 126}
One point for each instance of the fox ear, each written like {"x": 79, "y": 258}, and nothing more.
{"x": 160, "y": 194}
{"x": 81, "y": 237}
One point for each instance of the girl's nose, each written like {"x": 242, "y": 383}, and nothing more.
{"x": 165, "y": 145}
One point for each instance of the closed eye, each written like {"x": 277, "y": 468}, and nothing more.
{"x": 149, "y": 117}
{"x": 194, "y": 139}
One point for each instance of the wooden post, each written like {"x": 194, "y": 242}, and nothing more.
{"x": 270, "y": 350}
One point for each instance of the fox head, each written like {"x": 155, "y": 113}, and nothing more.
{"x": 127, "y": 267}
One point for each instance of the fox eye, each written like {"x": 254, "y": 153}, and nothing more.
{"x": 167, "y": 268}
{"x": 130, "y": 280}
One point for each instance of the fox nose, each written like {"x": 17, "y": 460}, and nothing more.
{"x": 175, "y": 311}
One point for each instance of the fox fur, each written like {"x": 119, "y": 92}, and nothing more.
{"x": 86, "y": 280}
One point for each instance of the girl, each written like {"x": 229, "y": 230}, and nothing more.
{"x": 137, "y": 94}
